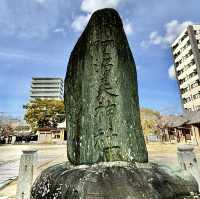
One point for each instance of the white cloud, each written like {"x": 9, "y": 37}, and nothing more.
{"x": 155, "y": 38}
{"x": 171, "y": 72}
{"x": 128, "y": 28}
{"x": 80, "y": 22}
{"x": 88, "y": 7}
{"x": 138, "y": 67}
{"x": 144, "y": 44}
{"x": 57, "y": 30}
{"x": 22, "y": 55}
{"x": 13, "y": 55}
{"x": 174, "y": 28}
{"x": 171, "y": 30}
{"x": 32, "y": 18}
{"x": 92, "y": 5}
{"x": 41, "y": 1}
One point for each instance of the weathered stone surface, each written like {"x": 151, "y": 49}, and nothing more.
{"x": 25, "y": 178}
{"x": 114, "y": 180}
{"x": 101, "y": 96}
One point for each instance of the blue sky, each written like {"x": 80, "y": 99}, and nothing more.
{"x": 37, "y": 36}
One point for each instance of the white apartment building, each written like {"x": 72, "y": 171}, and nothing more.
{"x": 186, "y": 52}
{"x": 46, "y": 88}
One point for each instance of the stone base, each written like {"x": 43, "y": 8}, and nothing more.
{"x": 114, "y": 180}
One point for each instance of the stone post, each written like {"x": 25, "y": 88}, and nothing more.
{"x": 194, "y": 135}
{"x": 25, "y": 178}
{"x": 13, "y": 139}
{"x": 187, "y": 160}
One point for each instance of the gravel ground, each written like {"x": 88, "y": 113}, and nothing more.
{"x": 52, "y": 154}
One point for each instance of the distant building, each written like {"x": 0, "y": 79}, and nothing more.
{"x": 182, "y": 128}
{"x": 186, "y": 52}
{"x": 51, "y": 136}
{"x": 46, "y": 88}
{"x": 8, "y": 120}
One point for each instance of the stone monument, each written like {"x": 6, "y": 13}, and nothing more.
{"x": 101, "y": 97}
{"x": 106, "y": 149}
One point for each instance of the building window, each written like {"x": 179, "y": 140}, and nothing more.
{"x": 181, "y": 81}
{"x": 188, "y": 109}
{"x": 56, "y": 136}
{"x": 186, "y": 100}
{"x": 196, "y": 96}
{"x": 195, "y": 84}
{"x": 197, "y": 108}
{"x": 196, "y": 32}
{"x": 180, "y": 71}
{"x": 174, "y": 47}
{"x": 184, "y": 90}
{"x": 191, "y": 74}
{"x": 177, "y": 63}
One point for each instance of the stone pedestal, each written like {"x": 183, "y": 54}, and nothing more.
{"x": 113, "y": 180}
{"x": 25, "y": 178}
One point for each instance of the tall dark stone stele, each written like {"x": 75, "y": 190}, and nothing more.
{"x": 101, "y": 96}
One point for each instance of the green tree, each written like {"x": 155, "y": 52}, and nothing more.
{"x": 149, "y": 120}
{"x": 5, "y": 130}
{"x": 44, "y": 113}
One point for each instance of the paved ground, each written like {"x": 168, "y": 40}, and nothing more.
{"x": 51, "y": 154}
{"x": 10, "y": 158}
{"x": 166, "y": 153}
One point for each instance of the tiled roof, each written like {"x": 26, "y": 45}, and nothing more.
{"x": 177, "y": 121}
